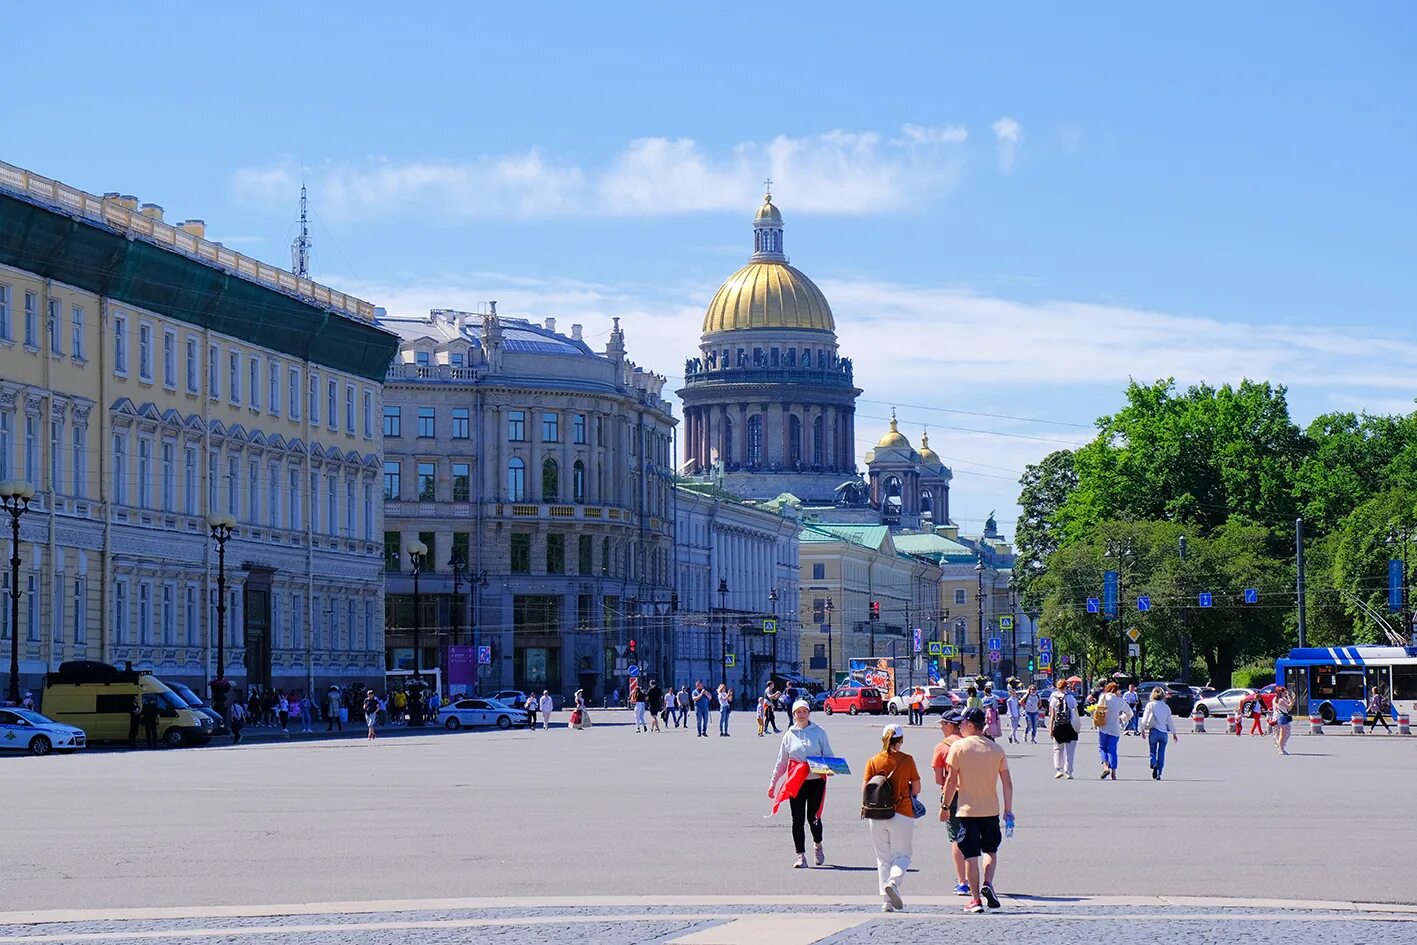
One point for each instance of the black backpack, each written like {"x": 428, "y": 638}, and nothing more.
{"x": 878, "y": 797}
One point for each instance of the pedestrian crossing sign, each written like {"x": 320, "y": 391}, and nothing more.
{"x": 730, "y": 660}
{"x": 769, "y": 625}
{"x": 1006, "y": 622}
{"x": 935, "y": 648}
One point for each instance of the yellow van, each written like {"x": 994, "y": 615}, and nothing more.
{"x": 98, "y": 698}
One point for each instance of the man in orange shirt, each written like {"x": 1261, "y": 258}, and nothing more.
{"x": 977, "y": 768}
{"x": 949, "y": 732}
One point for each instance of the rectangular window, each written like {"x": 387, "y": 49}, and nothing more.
{"x": 462, "y": 482}
{"x": 959, "y": 595}
{"x": 422, "y": 359}
{"x": 81, "y": 461}
{"x": 189, "y": 614}
{"x": 189, "y": 480}
{"x": 213, "y": 372}
{"x": 169, "y": 359}
{"x": 120, "y": 343}
{"x": 191, "y": 364}
{"x": 254, "y": 387}
{"x": 516, "y": 425}
{"x": 368, "y": 511}
{"x": 120, "y": 611}
{"x": 584, "y": 547}
{"x": 145, "y": 613}
{"x": 145, "y": 352}
{"x": 368, "y": 625}
{"x": 314, "y": 398}
{"x": 76, "y": 332}
{"x": 368, "y": 414}
{"x": 426, "y": 417}
{"x": 294, "y": 394}
{"x": 429, "y": 560}
{"x": 427, "y": 481}
{"x": 462, "y": 548}
{"x": 349, "y": 508}
{"x": 550, "y": 428}
{"x": 555, "y": 553}
{"x": 295, "y": 505}
{"x": 273, "y": 496}
{"x": 120, "y": 468}
{"x": 233, "y": 485}
{"x": 55, "y": 326}
{"x": 462, "y": 423}
{"x": 31, "y": 320}
{"x": 81, "y": 609}
{"x": 314, "y": 502}
{"x": 145, "y": 448}
{"x": 233, "y": 370}
{"x": 819, "y": 572}
{"x": 521, "y": 554}
{"x": 331, "y": 507}
{"x": 169, "y": 615}
{"x": 349, "y": 409}
{"x": 332, "y": 404}
{"x": 253, "y": 492}
{"x": 297, "y": 620}
{"x": 211, "y": 481}
{"x": 56, "y": 609}
{"x": 393, "y": 421}
{"x": 273, "y": 388}
{"x": 56, "y": 456}
{"x": 456, "y": 359}
{"x": 32, "y": 448}
{"x": 578, "y": 428}
{"x": 6, "y": 332}
{"x": 169, "y": 475}
{"x": 393, "y": 475}
{"x": 392, "y": 551}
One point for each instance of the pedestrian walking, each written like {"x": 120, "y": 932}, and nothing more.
{"x": 547, "y": 707}
{"x": 978, "y": 768}
{"x": 283, "y": 712}
{"x": 307, "y": 714}
{"x": 1256, "y": 718}
{"x": 149, "y": 716}
{"x": 1283, "y": 718}
{"x": 683, "y": 700}
{"x": 890, "y": 786}
{"x": 371, "y": 713}
{"x": 702, "y": 703}
{"x": 917, "y": 707}
{"x": 770, "y": 710}
{"x": 135, "y": 720}
{"x": 805, "y": 791}
{"x": 654, "y": 703}
{"x": 1015, "y": 716}
{"x": 532, "y": 705}
{"x": 725, "y": 705}
{"x": 1062, "y": 726}
{"x": 762, "y": 714}
{"x": 641, "y": 700}
{"x": 584, "y": 706}
{"x": 972, "y": 700}
{"x": 992, "y": 726}
{"x": 1108, "y": 716}
{"x": 1377, "y": 708}
{"x": 238, "y": 721}
{"x": 333, "y": 703}
{"x": 1030, "y": 713}
{"x": 1133, "y": 700}
{"x": 1157, "y": 722}
{"x": 949, "y": 806}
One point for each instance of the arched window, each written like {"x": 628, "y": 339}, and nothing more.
{"x": 927, "y": 501}
{"x": 890, "y": 495}
{"x": 578, "y": 482}
{"x": 725, "y": 454}
{"x": 818, "y": 441}
{"x": 516, "y": 479}
{"x": 550, "y": 480}
{"x": 794, "y": 441}
{"x": 755, "y": 440}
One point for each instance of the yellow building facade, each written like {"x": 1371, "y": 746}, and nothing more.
{"x": 150, "y": 378}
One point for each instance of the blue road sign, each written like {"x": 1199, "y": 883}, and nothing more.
{"x": 484, "y": 656}
{"x": 1110, "y": 583}
{"x": 1394, "y": 586}
{"x": 1093, "y": 605}
{"x": 634, "y": 670}
{"x": 1045, "y": 644}
{"x": 918, "y": 640}
{"x": 996, "y": 643}
{"x": 1045, "y": 659}
{"x": 1144, "y": 603}
{"x": 1252, "y": 595}
{"x": 1204, "y": 598}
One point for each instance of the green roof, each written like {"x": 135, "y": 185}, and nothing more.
{"x": 868, "y": 536}
{"x": 100, "y": 260}
{"x": 931, "y": 545}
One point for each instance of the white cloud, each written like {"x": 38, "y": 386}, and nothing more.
{"x": 1008, "y": 134}
{"x": 848, "y": 172}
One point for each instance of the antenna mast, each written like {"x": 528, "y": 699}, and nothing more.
{"x": 300, "y": 249}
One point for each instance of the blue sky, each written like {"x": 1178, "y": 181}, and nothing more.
{"x": 1011, "y": 213}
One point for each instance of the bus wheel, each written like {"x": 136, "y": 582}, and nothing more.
{"x": 1327, "y": 714}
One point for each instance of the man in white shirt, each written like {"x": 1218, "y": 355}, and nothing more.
{"x": 546, "y": 707}
{"x": 1131, "y": 698}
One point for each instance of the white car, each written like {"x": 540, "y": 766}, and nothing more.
{"x": 937, "y": 700}
{"x": 23, "y": 730}
{"x": 471, "y": 713}
{"x": 1224, "y": 703}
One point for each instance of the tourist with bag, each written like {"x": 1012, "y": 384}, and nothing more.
{"x": 794, "y": 781}
{"x": 1062, "y": 712}
{"x": 1109, "y": 716}
{"x": 889, "y": 800}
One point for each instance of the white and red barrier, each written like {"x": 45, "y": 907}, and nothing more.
{"x": 1198, "y": 723}
{"x": 1355, "y": 725}
{"x": 1404, "y": 724}
{"x": 1316, "y": 724}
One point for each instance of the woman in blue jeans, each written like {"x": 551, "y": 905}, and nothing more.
{"x": 1114, "y": 714}
{"x": 1158, "y": 722}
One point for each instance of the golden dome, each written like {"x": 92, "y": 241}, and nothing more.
{"x": 768, "y": 295}
{"x": 767, "y": 211}
{"x": 894, "y": 438}
{"x": 928, "y": 455}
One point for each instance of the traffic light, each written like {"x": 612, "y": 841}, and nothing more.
{"x": 1030, "y": 664}
{"x": 632, "y": 649}
{"x": 875, "y": 610}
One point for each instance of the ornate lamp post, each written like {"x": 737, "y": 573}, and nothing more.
{"x": 15, "y": 494}
{"x": 416, "y": 552}
{"x": 222, "y": 526}
{"x": 980, "y": 596}
{"x": 772, "y": 599}
{"x": 723, "y": 627}
{"x": 831, "y": 668}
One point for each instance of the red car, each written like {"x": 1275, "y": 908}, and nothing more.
{"x": 853, "y": 701}
{"x": 1267, "y": 694}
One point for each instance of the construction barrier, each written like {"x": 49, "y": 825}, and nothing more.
{"x": 1356, "y": 726}
{"x": 1234, "y": 724}
{"x": 1316, "y": 725}
{"x": 1404, "y": 725}
{"x": 1198, "y": 723}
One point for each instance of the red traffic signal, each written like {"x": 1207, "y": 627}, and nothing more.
{"x": 632, "y": 647}
{"x": 875, "y": 610}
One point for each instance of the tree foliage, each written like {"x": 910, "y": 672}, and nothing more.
{"x": 1046, "y": 486}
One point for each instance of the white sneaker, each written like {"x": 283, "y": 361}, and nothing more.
{"x": 801, "y": 862}
{"x": 821, "y": 855}
{"x": 893, "y": 896}
{"x": 1058, "y": 775}
{"x": 887, "y": 907}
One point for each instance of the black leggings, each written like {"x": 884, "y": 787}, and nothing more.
{"x": 1380, "y": 717}
{"x": 809, "y": 798}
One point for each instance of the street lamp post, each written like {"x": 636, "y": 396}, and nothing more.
{"x": 831, "y": 656}
{"x": 1185, "y": 631}
{"x": 416, "y": 551}
{"x": 979, "y": 596}
{"x": 1013, "y": 632}
{"x": 772, "y": 599}
{"x": 222, "y": 525}
{"x": 15, "y": 494}
{"x": 1123, "y": 552}
{"x": 455, "y": 562}
{"x": 723, "y": 627}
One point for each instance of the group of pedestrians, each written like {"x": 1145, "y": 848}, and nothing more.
{"x": 970, "y": 769}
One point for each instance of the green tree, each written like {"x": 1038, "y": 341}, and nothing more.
{"x": 1046, "y": 486}
{"x": 1357, "y": 571}
{"x": 1353, "y": 458}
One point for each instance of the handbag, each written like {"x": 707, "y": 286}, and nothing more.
{"x": 917, "y": 808}
{"x": 1099, "y": 715}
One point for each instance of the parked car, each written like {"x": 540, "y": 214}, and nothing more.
{"x": 937, "y": 700}
{"x": 854, "y": 700}
{"x": 512, "y": 697}
{"x": 1224, "y": 703}
{"x": 1179, "y": 696}
{"x": 186, "y": 694}
{"x": 819, "y": 700}
{"x": 471, "y": 713}
{"x": 1266, "y": 695}
{"x": 23, "y": 730}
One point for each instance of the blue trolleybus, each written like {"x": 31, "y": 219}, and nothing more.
{"x": 1336, "y": 682}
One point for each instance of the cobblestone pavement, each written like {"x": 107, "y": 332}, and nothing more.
{"x": 750, "y": 922}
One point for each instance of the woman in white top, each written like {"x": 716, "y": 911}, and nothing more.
{"x": 1062, "y": 725}
{"x": 803, "y": 739}
{"x": 1014, "y": 716}
{"x": 1156, "y": 723}
{"x": 1109, "y": 733}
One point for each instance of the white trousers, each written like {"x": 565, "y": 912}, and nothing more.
{"x": 639, "y": 714}
{"x": 1064, "y": 753}
{"x": 892, "y": 840}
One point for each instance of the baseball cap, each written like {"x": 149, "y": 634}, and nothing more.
{"x": 952, "y": 718}
{"x": 975, "y": 717}
{"x": 894, "y": 731}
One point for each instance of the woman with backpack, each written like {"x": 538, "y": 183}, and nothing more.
{"x": 1109, "y": 716}
{"x": 889, "y": 801}
{"x": 1062, "y": 725}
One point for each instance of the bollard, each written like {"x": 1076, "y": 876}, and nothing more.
{"x": 1356, "y": 724}
{"x": 1316, "y": 724}
{"x": 1404, "y": 724}
{"x": 1198, "y": 723}
{"x": 1236, "y": 723}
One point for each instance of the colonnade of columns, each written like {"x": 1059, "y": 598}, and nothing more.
{"x": 721, "y": 432}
